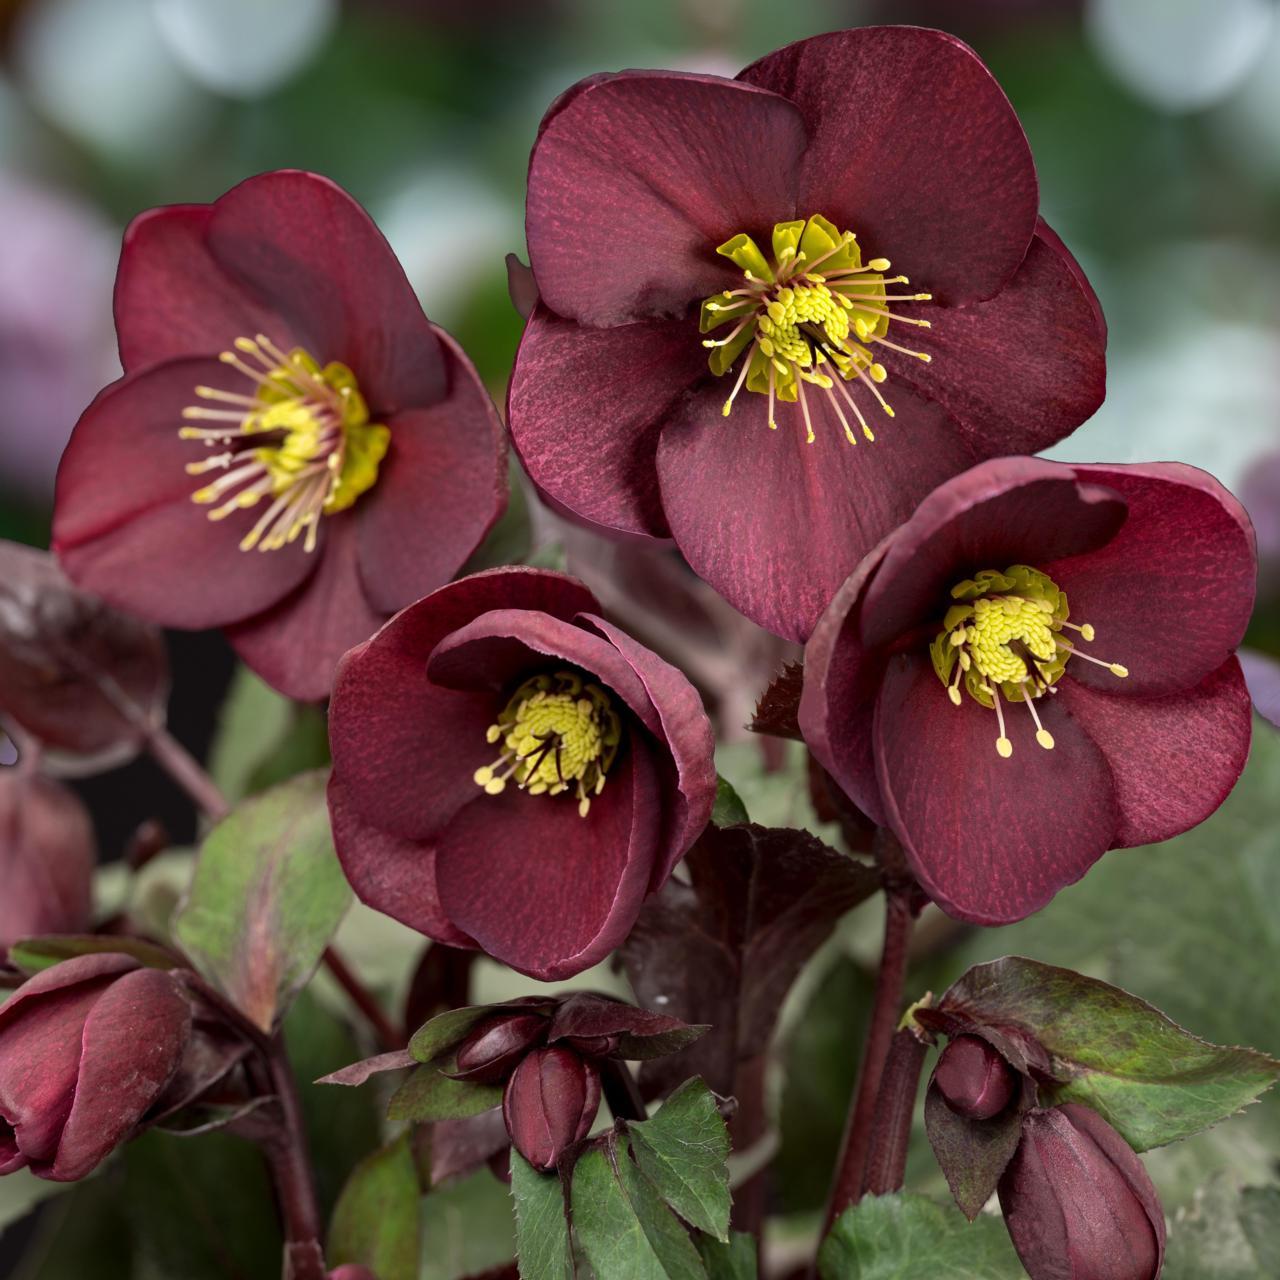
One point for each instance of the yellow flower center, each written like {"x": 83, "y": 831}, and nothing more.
{"x": 303, "y": 440}
{"x": 556, "y": 730}
{"x": 813, "y": 314}
{"x": 1003, "y": 641}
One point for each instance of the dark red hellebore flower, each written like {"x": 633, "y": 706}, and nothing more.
{"x": 294, "y": 451}
{"x": 512, "y": 772}
{"x": 549, "y": 1103}
{"x": 716, "y": 358}
{"x": 1078, "y": 1203}
{"x": 47, "y": 859}
{"x": 86, "y": 1048}
{"x": 1035, "y": 668}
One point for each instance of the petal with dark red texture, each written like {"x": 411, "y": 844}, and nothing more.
{"x": 990, "y": 839}
{"x": 295, "y": 645}
{"x": 124, "y": 524}
{"x": 1174, "y": 758}
{"x": 1023, "y": 370}
{"x": 134, "y": 1040}
{"x": 775, "y": 524}
{"x": 1002, "y": 512}
{"x": 440, "y": 488}
{"x": 540, "y": 888}
{"x": 1171, "y": 594}
{"x": 172, "y": 298}
{"x": 586, "y": 407}
{"x": 304, "y": 248}
{"x": 384, "y": 707}
{"x": 636, "y": 179}
{"x": 390, "y": 873}
{"x": 915, "y": 148}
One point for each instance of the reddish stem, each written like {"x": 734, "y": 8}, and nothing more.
{"x": 188, "y": 773}
{"x": 748, "y": 1126}
{"x": 621, "y": 1091}
{"x": 895, "y": 1104}
{"x": 389, "y": 1035}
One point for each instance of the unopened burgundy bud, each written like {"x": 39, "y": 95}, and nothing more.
{"x": 593, "y": 1046}
{"x": 1078, "y": 1203}
{"x": 550, "y": 1103}
{"x": 46, "y": 859}
{"x": 494, "y": 1048}
{"x": 974, "y": 1079}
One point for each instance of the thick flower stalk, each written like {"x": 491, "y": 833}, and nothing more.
{"x": 513, "y": 773}
{"x": 1037, "y": 667}
{"x": 776, "y": 311}
{"x": 294, "y": 452}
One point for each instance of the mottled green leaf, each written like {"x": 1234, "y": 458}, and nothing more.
{"x": 732, "y": 1259}
{"x": 35, "y": 954}
{"x": 376, "y": 1222}
{"x": 542, "y": 1227}
{"x": 683, "y": 1151}
{"x": 429, "y": 1094}
{"x": 445, "y": 1030}
{"x": 267, "y": 895}
{"x": 729, "y": 809}
{"x": 1153, "y": 1081}
{"x": 909, "y": 1237}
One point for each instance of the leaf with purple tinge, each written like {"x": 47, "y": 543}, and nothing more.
{"x": 725, "y": 949}
{"x": 376, "y": 1222}
{"x": 267, "y": 896}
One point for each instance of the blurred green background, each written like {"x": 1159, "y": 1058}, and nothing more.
{"x": 1156, "y": 130}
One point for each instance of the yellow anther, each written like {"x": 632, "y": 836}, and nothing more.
{"x": 1045, "y": 739}
{"x": 1004, "y": 747}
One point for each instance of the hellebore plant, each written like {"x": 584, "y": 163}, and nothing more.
{"x": 776, "y": 311}
{"x": 548, "y": 772}
{"x": 295, "y": 452}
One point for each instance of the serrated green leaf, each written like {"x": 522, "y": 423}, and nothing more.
{"x": 909, "y": 1237}
{"x": 667, "y": 1237}
{"x": 376, "y": 1222}
{"x": 733, "y": 1259}
{"x": 612, "y": 1236}
{"x": 35, "y": 954}
{"x": 729, "y": 809}
{"x": 683, "y": 1151}
{"x": 1227, "y": 1233}
{"x": 429, "y": 1095}
{"x": 542, "y": 1228}
{"x": 1152, "y": 1081}
{"x": 267, "y": 895}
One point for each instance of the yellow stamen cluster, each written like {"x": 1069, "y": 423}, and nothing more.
{"x": 1003, "y": 641}
{"x": 303, "y": 439}
{"x": 813, "y": 314}
{"x": 556, "y": 730}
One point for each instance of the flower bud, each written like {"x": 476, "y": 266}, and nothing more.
{"x": 550, "y": 1103}
{"x": 1078, "y": 1203}
{"x": 47, "y": 859}
{"x": 86, "y": 1048}
{"x": 974, "y": 1079}
{"x": 495, "y": 1046}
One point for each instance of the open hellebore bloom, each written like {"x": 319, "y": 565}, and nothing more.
{"x": 1078, "y": 1203}
{"x": 294, "y": 451}
{"x": 513, "y": 773}
{"x": 87, "y": 1048}
{"x": 776, "y": 311}
{"x": 1035, "y": 668}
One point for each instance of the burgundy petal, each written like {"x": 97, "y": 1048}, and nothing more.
{"x": 440, "y": 488}
{"x": 540, "y": 888}
{"x": 1174, "y": 758}
{"x": 688, "y": 736}
{"x": 124, "y": 524}
{"x": 390, "y": 873}
{"x": 586, "y": 407}
{"x": 838, "y": 699}
{"x": 306, "y": 249}
{"x": 1023, "y": 370}
{"x": 65, "y": 974}
{"x": 1169, "y": 596}
{"x": 775, "y": 524}
{"x": 636, "y": 178}
{"x": 1006, "y": 511}
{"x": 134, "y": 1039}
{"x": 500, "y": 649}
{"x": 384, "y": 707}
{"x": 991, "y": 840}
{"x": 295, "y": 645}
{"x": 173, "y": 299}
{"x": 915, "y": 148}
